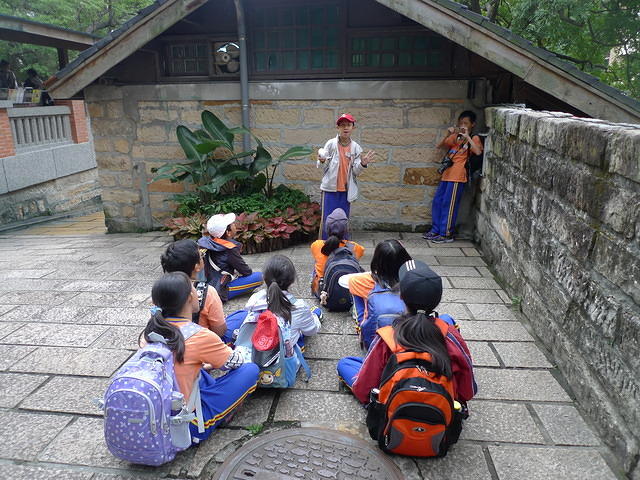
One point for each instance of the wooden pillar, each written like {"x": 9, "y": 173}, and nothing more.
{"x": 63, "y": 57}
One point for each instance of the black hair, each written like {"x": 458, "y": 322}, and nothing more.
{"x": 388, "y": 257}
{"x": 419, "y": 333}
{"x": 468, "y": 114}
{"x": 330, "y": 244}
{"x": 170, "y": 293}
{"x": 180, "y": 256}
{"x": 279, "y": 274}
{"x": 3, "y": 62}
{"x": 32, "y": 72}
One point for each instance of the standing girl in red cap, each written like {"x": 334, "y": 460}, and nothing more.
{"x": 342, "y": 160}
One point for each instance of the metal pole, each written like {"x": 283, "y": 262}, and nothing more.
{"x": 244, "y": 73}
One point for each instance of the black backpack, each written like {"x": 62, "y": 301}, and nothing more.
{"x": 340, "y": 262}
{"x": 202, "y": 290}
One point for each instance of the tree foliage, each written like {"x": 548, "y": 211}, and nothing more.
{"x": 601, "y": 37}
{"x": 91, "y": 16}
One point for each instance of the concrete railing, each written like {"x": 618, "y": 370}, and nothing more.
{"x": 36, "y": 127}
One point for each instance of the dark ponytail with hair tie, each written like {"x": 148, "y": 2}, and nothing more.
{"x": 170, "y": 293}
{"x": 419, "y": 333}
{"x": 279, "y": 274}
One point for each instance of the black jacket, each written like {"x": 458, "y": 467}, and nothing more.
{"x": 225, "y": 254}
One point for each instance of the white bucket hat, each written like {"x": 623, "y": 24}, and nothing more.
{"x": 217, "y": 225}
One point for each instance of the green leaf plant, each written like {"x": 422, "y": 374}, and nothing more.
{"x": 216, "y": 170}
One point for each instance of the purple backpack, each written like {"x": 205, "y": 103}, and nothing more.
{"x": 146, "y": 420}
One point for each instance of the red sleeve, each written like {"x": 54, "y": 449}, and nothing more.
{"x": 476, "y": 139}
{"x": 461, "y": 365}
{"x": 371, "y": 371}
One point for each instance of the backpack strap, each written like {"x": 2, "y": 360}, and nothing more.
{"x": 218, "y": 269}
{"x": 188, "y": 331}
{"x": 202, "y": 290}
{"x": 303, "y": 362}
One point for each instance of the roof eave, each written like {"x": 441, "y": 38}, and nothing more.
{"x": 516, "y": 55}
{"x": 118, "y": 45}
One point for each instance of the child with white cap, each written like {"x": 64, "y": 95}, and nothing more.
{"x": 222, "y": 259}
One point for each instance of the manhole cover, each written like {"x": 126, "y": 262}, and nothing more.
{"x": 308, "y": 453}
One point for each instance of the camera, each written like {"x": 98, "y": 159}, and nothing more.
{"x": 445, "y": 163}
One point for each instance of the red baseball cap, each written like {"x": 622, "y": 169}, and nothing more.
{"x": 346, "y": 116}
{"x": 265, "y": 336}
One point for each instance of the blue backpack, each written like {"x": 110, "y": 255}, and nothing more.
{"x": 278, "y": 366}
{"x": 340, "y": 262}
{"x": 145, "y": 418}
{"x": 383, "y": 306}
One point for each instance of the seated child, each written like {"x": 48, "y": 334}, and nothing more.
{"x": 184, "y": 256}
{"x": 375, "y": 294}
{"x": 176, "y": 300}
{"x": 222, "y": 259}
{"x": 279, "y": 275}
{"x": 419, "y": 330}
{"x": 337, "y": 227}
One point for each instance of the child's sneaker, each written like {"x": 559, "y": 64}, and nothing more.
{"x": 442, "y": 239}
{"x": 429, "y": 235}
{"x": 318, "y": 313}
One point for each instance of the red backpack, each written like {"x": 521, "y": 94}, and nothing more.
{"x": 412, "y": 413}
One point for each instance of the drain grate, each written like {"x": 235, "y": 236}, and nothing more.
{"x": 309, "y": 454}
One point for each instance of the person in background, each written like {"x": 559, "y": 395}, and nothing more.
{"x": 460, "y": 144}
{"x": 7, "y": 77}
{"x": 33, "y": 80}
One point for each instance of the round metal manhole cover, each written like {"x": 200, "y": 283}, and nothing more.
{"x": 310, "y": 454}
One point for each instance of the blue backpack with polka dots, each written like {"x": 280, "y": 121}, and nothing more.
{"x": 146, "y": 420}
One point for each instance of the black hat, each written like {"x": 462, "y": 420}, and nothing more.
{"x": 420, "y": 287}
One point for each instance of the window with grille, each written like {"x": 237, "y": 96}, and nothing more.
{"x": 188, "y": 59}
{"x": 296, "y": 38}
{"x": 398, "y": 51}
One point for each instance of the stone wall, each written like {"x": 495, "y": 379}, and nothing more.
{"x": 76, "y": 192}
{"x": 559, "y": 221}
{"x": 134, "y": 131}
{"x": 47, "y": 161}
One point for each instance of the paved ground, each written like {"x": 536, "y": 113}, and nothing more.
{"x": 72, "y": 306}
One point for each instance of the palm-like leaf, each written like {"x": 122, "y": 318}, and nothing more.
{"x": 217, "y": 129}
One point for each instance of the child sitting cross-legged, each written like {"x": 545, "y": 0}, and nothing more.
{"x": 176, "y": 300}
{"x": 420, "y": 329}
{"x": 279, "y": 275}
{"x": 223, "y": 259}
{"x": 184, "y": 256}
{"x": 376, "y": 298}
{"x": 337, "y": 227}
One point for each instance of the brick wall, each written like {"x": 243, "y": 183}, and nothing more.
{"x": 134, "y": 133}
{"x": 559, "y": 221}
{"x": 7, "y": 149}
{"x": 78, "y": 120}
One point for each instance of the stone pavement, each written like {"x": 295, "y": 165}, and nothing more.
{"x": 72, "y": 306}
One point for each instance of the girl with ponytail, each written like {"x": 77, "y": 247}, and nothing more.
{"x": 279, "y": 275}
{"x": 337, "y": 227}
{"x": 175, "y": 300}
{"x": 419, "y": 329}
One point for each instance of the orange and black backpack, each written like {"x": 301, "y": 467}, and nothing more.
{"x": 412, "y": 413}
